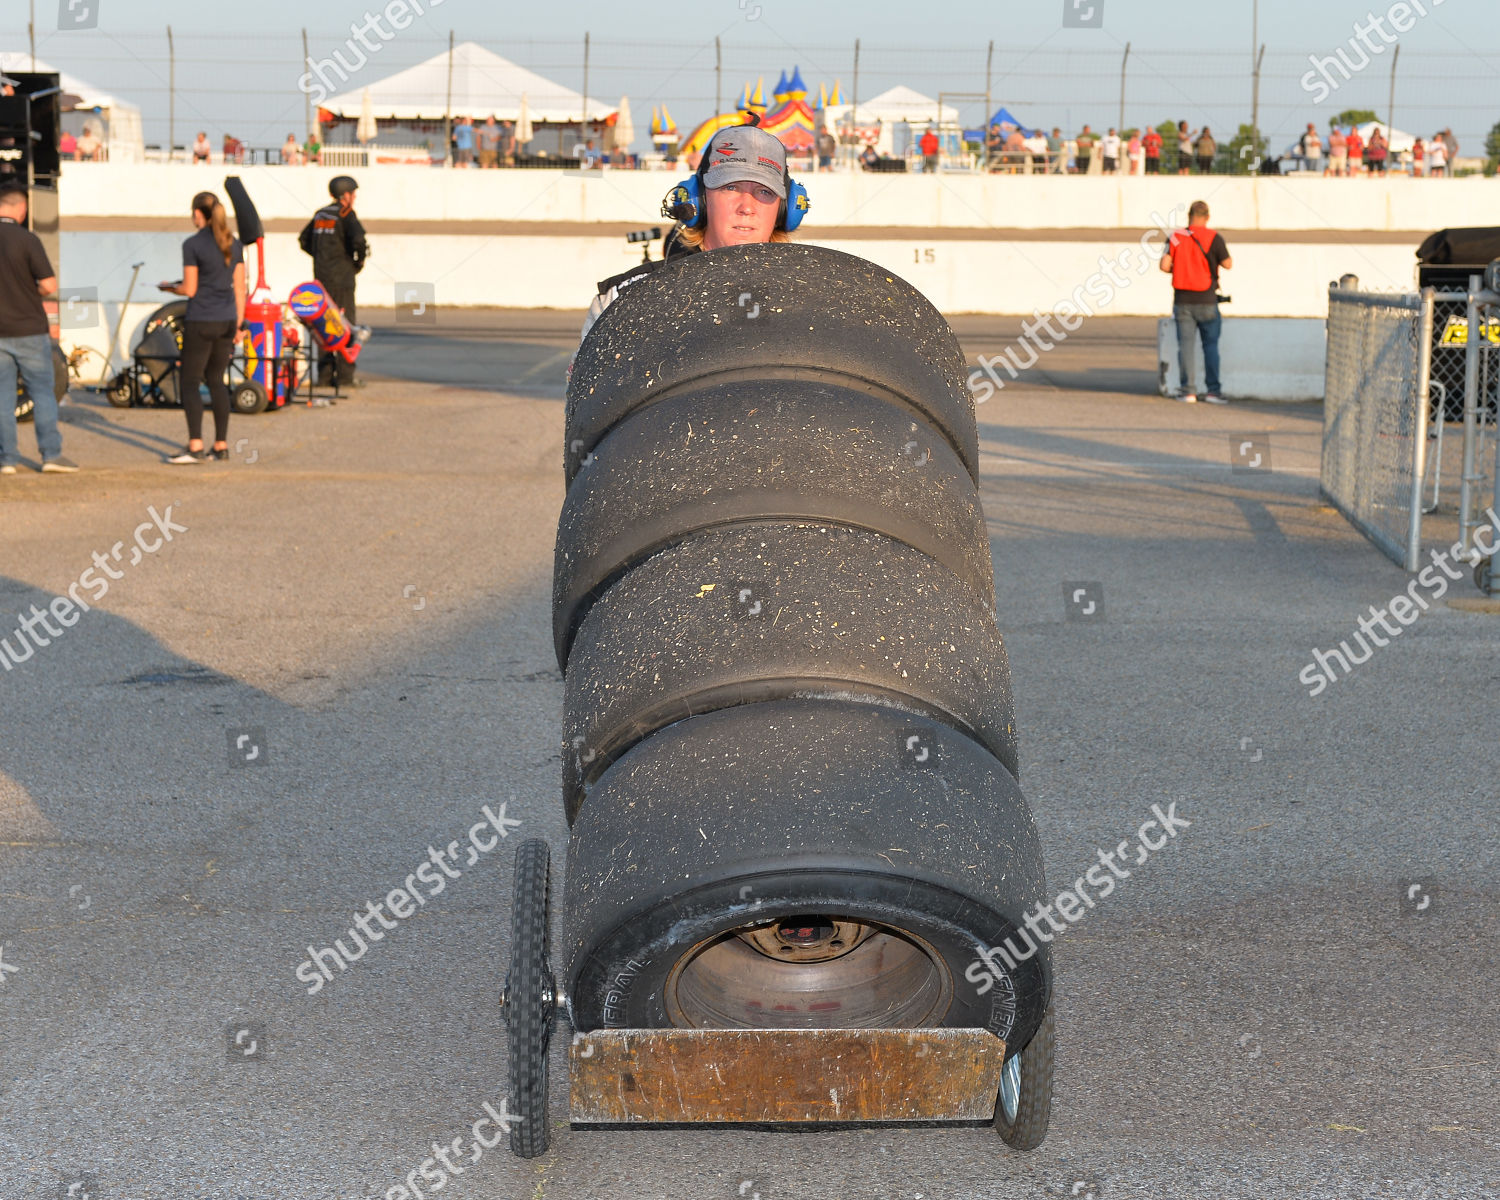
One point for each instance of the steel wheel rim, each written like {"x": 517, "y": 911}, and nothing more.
{"x": 889, "y": 979}
{"x": 1010, "y": 1088}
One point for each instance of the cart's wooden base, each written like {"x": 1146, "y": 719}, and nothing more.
{"x": 623, "y": 1076}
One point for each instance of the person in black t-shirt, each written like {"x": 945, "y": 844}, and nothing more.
{"x": 213, "y": 280}
{"x": 25, "y": 344}
{"x": 1193, "y": 259}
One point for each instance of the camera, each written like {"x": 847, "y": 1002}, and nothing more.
{"x": 644, "y": 235}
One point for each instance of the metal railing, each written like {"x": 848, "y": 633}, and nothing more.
{"x": 1482, "y": 307}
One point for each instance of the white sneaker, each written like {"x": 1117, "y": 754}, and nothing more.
{"x": 1214, "y": 398}
{"x": 7, "y": 469}
{"x": 1187, "y": 397}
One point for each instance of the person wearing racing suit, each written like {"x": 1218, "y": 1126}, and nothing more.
{"x": 336, "y": 240}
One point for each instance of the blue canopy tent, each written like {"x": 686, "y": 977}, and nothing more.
{"x": 1005, "y": 120}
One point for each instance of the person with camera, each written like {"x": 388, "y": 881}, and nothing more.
{"x": 1193, "y": 258}
{"x": 213, "y": 280}
{"x": 740, "y": 194}
{"x": 336, "y": 240}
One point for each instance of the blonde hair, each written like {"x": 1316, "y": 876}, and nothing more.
{"x": 218, "y": 222}
{"x": 694, "y": 237}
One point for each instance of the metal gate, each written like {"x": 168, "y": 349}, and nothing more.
{"x": 1399, "y": 368}
{"x": 1375, "y": 414}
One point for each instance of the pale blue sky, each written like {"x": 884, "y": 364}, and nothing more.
{"x": 1190, "y": 59}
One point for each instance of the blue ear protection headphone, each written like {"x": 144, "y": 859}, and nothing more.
{"x": 685, "y": 201}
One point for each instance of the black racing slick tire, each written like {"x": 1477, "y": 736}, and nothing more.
{"x": 731, "y": 454}
{"x": 530, "y": 1000}
{"x": 762, "y": 612}
{"x": 774, "y": 311}
{"x": 805, "y": 863}
{"x": 1023, "y": 1109}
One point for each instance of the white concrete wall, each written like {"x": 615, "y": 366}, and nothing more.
{"x": 1269, "y": 279}
{"x": 945, "y": 201}
{"x": 1265, "y": 359}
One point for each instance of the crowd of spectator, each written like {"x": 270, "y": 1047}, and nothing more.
{"x": 1345, "y": 152}
{"x": 1342, "y": 152}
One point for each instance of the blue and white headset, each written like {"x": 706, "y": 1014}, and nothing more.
{"x": 685, "y": 201}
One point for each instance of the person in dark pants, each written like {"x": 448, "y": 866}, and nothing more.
{"x": 336, "y": 240}
{"x": 213, "y": 280}
{"x": 25, "y": 345}
{"x": 1193, "y": 259}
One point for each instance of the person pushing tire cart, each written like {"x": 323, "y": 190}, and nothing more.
{"x": 799, "y": 858}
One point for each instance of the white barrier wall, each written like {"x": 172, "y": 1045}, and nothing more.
{"x": 1258, "y": 359}
{"x": 1290, "y": 202}
{"x": 1110, "y": 278}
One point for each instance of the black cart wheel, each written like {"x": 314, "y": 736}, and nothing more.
{"x": 1484, "y": 575}
{"x": 1024, "y": 1106}
{"x": 529, "y": 1000}
{"x": 117, "y": 391}
{"x": 248, "y": 397}
{"x": 25, "y": 405}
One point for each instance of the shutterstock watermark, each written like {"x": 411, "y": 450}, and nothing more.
{"x": 1407, "y": 607}
{"x": 316, "y": 969}
{"x": 398, "y": 12}
{"x": 149, "y": 537}
{"x": 434, "y": 1176}
{"x": 987, "y": 970}
{"x": 1319, "y": 82}
{"x": 1101, "y": 287}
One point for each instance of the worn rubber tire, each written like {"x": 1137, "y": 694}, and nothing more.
{"x": 1034, "y": 1107}
{"x": 762, "y": 452}
{"x": 842, "y": 613}
{"x": 689, "y": 323}
{"x": 768, "y": 811}
{"x": 528, "y": 1015}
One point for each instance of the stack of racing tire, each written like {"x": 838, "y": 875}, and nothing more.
{"x": 789, "y": 752}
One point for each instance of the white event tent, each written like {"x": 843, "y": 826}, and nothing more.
{"x": 484, "y": 83}
{"x": 121, "y": 120}
{"x": 897, "y": 112}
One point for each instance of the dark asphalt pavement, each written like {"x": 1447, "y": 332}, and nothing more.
{"x": 346, "y": 655}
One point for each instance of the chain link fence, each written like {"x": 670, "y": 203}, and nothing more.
{"x": 1450, "y": 342}
{"x": 1066, "y": 78}
{"x": 1374, "y": 414}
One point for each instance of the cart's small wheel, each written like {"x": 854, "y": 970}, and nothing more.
{"x": 1024, "y": 1105}
{"x": 25, "y": 407}
{"x": 248, "y": 397}
{"x": 529, "y": 1000}
{"x": 117, "y": 391}
{"x": 1484, "y": 575}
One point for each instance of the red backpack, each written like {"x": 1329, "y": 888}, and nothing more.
{"x": 1191, "y": 269}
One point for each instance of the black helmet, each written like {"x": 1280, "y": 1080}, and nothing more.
{"x": 340, "y": 184}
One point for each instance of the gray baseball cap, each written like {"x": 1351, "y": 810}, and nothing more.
{"x": 744, "y": 152}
